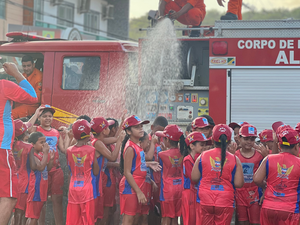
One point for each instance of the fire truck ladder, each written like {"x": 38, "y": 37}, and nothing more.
{"x": 248, "y": 28}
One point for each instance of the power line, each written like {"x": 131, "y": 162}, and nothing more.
{"x": 62, "y": 19}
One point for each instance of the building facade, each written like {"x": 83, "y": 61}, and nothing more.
{"x": 91, "y": 19}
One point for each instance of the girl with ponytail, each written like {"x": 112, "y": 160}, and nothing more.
{"x": 196, "y": 142}
{"x": 134, "y": 167}
{"x": 171, "y": 161}
{"x": 218, "y": 173}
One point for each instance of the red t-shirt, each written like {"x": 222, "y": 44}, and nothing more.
{"x": 249, "y": 193}
{"x": 283, "y": 182}
{"x": 213, "y": 189}
{"x": 188, "y": 163}
{"x": 18, "y": 149}
{"x": 24, "y": 170}
{"x": 80, "y": 161}
{"x": 38, "y": 183}
{"x": 195, "y": 3}
{"x": 52, "y": 137}
{"x": 171, "y": 162}
{"x": 138, "y": 169}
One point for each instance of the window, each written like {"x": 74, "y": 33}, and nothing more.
{"x": 91, "y": 22}
{"x": 39, "y": 9}
{"x": 2, "y": 9}
{"x": 65, "y": 13}
{"x": 81, "y": 73}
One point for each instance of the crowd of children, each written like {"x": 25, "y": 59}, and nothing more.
{"x": 201, "y": 176}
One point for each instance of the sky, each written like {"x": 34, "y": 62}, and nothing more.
{"x": 141, "y": 7}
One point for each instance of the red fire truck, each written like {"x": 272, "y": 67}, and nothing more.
{"x": 235, "y": 71}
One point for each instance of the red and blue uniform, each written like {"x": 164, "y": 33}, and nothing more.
{"x": 247, "y": 197}
{"x": 98, "y": 187}
{"x": 37, "y": 190}
{"x": 9, "y": 91}
{"x": 109, "y": 184}
{"x": 281, "y": 201}
{"x": 128, "y": 200}
{"x": 24, "y": 171}
{"x": 56, "y": 175}
{"x": 189, "y": 193}
{"x": 81, "y": 189}
{"x": 215, "y": 192}
{"x": 171, "y": 188}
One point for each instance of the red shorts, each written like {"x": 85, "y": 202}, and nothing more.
{"x": 171, "y": 209}
{"x": 33, "y": 209}
{"x": 188, "y": 207}
{"x": 98, "y": 202}
{"x": 22, "y": 201}
{"x": 55, "y": 182}
{"x": 129, "y": 205}
{"x": 215, "y": 215}
{"x": 8, "y": 175}
{"x": 81, "y": 214}
{"x": 109, "y": 194}
{"x": 250, "y": 213}
{"x": 270, "y": 217}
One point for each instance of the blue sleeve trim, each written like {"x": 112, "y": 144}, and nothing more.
{"x": 26, "y": 86}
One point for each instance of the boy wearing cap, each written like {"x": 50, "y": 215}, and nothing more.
{"x": 266, "y": 138}
{"x": 55, "y": 140}
{"x": 280, "y": 173}
{"x": 236, "y": 128}
{"x": 171, "y": 162}
{"x": 82, "y": 163}
{"x": 247, "y": 197}
{"x": 201, "y": 124}
{"x": 21, "y": 151}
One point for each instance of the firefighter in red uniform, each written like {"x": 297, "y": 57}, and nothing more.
{"x": 188, "y": 12}
{"x": 234, "y": 11}
{"x": 34, "y": 77}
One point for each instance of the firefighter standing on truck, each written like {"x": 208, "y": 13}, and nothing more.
{"x": 188, "y": 12}
{"x": 34, "y": 77}
{"x": 234, "y": 11}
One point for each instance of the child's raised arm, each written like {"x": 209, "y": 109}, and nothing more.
{"x": 260, "y": 175}
{"x": 63, "y": 143}
{"x": 128, "y": 157}
{"x": 149, "y": 155}
{"x": 41, "y": 165}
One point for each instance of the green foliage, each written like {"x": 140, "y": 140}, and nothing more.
{"x": 212, "y": 15}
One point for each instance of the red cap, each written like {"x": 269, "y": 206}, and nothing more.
{"x": 266, "y": 135}
{"x": 240, "y": 124}
{"x": 42, "y": 107}
{"x": 248, "y": 131}
{"x": 276, "y": 125}
{"x": 172, "y": 131}
{"x": 81, "y": 129}
{"x": 290, "y": 134}
{"x": 280, "y": 128}
{"x": 20, "y": 127}
{"x": 98, "y": 124}
{"x": 133, "y": 121}
{"x": 195, "y": 136}
{"x": 220, "y": 129}
{"x": 200, "y": 122}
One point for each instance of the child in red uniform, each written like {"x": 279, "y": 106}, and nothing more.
{"x": 219, "y": 173}
{"x": 38, "y": 181}
{"x": 266, "y": 138}
{"x": 100, "y": 129}
{"x": 281, "y": 174}
{"x": 82, "y": 163}
{"x": 133, "y": 165}
{"x": 21, "y": 151}
{"x": 247, "y": 197}
{"x": 195, "y": 142}
{"x": 204, "y": 124}
{"x": 236, "y": 129}
{"x": 171, "y": 162}
{"x": 55, "y": 141}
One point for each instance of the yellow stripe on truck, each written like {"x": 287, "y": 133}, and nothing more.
{"x": 64, "y": 116}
